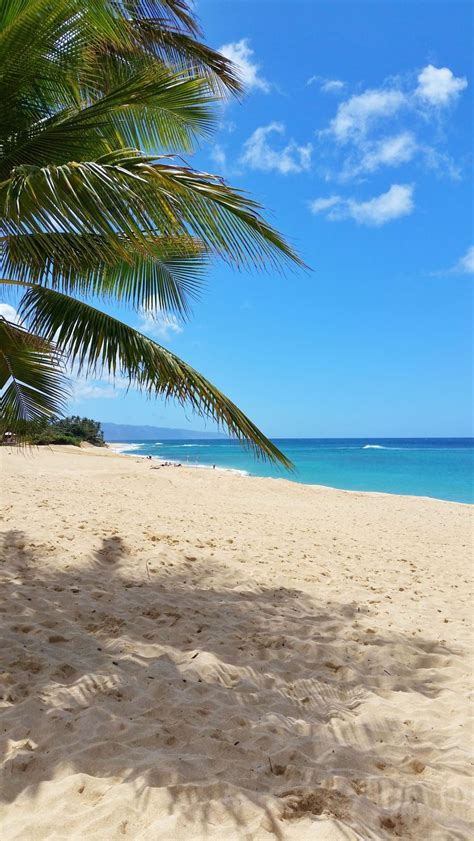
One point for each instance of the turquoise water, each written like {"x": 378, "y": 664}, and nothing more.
{"x": 437, "y": 467}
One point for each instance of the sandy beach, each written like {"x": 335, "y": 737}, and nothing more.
{"x": 190, "y": 654}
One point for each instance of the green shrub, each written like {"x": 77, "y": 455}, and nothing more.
{"x": 71, "y": 430}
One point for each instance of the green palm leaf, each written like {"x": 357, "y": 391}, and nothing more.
{"x": 32, "y": 386}
{"x": 166, "y": 275}
{"x": 54, "y": 36}
{"x": 94, "y": 340}
{"x": 153, "y": 108}
{"x": 170, "y": 13}
{"x": 131, "y": 193}
{"x": 180, "y": 49}
{"x": 167, "y": 32}
{"x": 71, "y": 42}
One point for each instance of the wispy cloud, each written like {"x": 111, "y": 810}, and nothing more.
{"x": 259, "y": 154}
{"x": 219, "y": 156}
{"x": 377, "y": 211}
{"x": 320, "y": 205}
{"x": 465, "y": 264}
{"x": 333, "y": 86}
{"x": 387, "y": 151}
{"x": 89, "y": 387}
{"x": 159, "y": 324}
{"x": 358, "y": 114}
{"x": 327, "y": 85}
{"x": 249, "y": 70}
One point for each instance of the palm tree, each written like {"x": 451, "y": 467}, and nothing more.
{"x": 97, "y": 99}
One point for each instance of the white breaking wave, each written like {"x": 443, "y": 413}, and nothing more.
{"x": 375, "y": 447}
{"x": 123, "y": 448}
{"x": 234, "y": 470}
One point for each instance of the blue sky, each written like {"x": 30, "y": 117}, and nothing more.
{"x": 356, "y": 134}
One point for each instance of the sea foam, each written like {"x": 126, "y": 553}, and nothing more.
{"x": 124, "y": 448}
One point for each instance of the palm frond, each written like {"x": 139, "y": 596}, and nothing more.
{"x": 169, "y": 33}
{"x": 131, "y": 194}
{"x": 155, "y": 108}
{"x": 32, "y": 386}
{"x": 224, "y": 217}
{"x": 179, "y": 49}
{"x": 166, "y": 275}
{"x": 94, "y": 340}
{"x": 53, "y": 36}
{"x": 67, "y": 41}
{"x": 168, "y": 13}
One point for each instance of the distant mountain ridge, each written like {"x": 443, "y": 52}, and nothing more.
{"x": 127, "y": 432}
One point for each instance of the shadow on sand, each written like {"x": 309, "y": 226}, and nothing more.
{"x": 247, "y": 703}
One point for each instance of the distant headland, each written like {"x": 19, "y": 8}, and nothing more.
{"x": 132, "y": 432}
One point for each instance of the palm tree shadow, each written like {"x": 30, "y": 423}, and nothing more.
{"x": 233, "y": 704}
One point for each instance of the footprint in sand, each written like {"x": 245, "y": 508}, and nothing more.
{"x": 65, "y": 671}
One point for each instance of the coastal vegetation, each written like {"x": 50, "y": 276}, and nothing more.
{"x": 70, "y": 430}
{"x": 98, "y": 205}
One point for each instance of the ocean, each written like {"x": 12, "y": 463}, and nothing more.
{"x": 442, "y": 468}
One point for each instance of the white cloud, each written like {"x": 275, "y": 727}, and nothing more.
{"x": 405, "y": 106}
{"x": 441, "y": 163}
{"x": 439, "y": 86}
{"x": 465, "y": 264}
{"x": 89, "y": 389}
{"x": 396, "y": 202}
{"x": 327, "y": 85}
{"x": 243, "y": 56}
{"x": 219, "y": 156}
{"x": 258, "y": 154}
{"x": 388, "y": 151}
{"x": 158, "y": 324}
{"x": 227, "y": 126}
{"x": 375, "y": 212}
{"x": 357, "y": 115}
{"x": 319, "y": 205}
{"x": 332, "y": 86}
{"x": 9, "y": 313}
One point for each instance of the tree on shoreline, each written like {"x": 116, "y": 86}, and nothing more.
{"x": 91, "y": 210}
{"x": 71, "y": 430}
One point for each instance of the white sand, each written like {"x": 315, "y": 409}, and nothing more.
{"x": 194, "y": 655}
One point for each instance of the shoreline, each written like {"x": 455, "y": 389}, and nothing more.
{"x": 187, "y": 654}
{"x": 246, "y": 474}
{"x": 118, "y": 448}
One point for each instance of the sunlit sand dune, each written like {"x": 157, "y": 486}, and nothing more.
{"x": 195, "y": 655}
